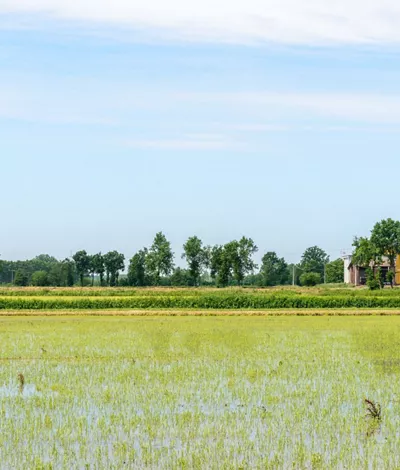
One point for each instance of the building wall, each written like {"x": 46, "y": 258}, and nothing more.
{"x": 398, "y": 270}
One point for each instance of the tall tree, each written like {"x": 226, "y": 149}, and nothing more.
{"x": 82, "y": 263}
{"x": 274, "y": 270}
{"x": 196, "y": 257}
{"x": 21, "y": 278}
{"x": 314, "y": 260}
{"x": 114, "y": 263}
{"x": 137, "y": 269}
{"x": 386, "y": 237}
{"x": 335, "y": 271}
{"x": 98, "y": 266}
{"x": 160, "y": 258}
{"x": 365, "y": 252}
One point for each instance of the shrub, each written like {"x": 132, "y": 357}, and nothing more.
{"x": 310, "y": 279}
{"x": 40, "y": 279}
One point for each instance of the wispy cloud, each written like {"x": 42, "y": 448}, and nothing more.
{"x": 186, "y": 142}
{"x": 75, "y": 102}
{"x": 238, "y": 21}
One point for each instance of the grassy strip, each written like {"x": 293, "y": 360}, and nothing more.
{"x": 209, "y": 312}
{"x": 193, "y": 292}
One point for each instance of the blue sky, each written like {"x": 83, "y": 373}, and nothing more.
{"x": 117, "y": 123}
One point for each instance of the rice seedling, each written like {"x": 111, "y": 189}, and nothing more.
{"x": 199, "y": 392}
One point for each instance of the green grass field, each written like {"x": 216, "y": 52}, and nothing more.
{"x": 199, "y": 392}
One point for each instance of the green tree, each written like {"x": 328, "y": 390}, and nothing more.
{"x": 314, "y": 260}
{"x": 97, "y": 266}
{"x": 137, "y": 269}
{"x": 181, "y": 278}
{"x": 335, "y": 271}
{"x": 385, "y": 236}
{"x": 365, "y": 253}
{"x": 310, "y": 279}
{"x": 21, "y": 278}
{"x": 274, "y": 270}
{"x": 82, "y": 264}
{"x": 220, "y": 264}
{"x": 40, "y": 278}
{"x": 160, "y": 258}
{"x": 68, "y": 270}
{"x": 196, "y": 257}
{"x": 114, "y": 263}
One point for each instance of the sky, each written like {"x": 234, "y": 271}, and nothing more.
{"x": 274, "y": 119}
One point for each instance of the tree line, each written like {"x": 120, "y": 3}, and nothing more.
{"x": 231, "y": 264}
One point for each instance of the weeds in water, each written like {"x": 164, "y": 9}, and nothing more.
{"x": 21, "y": 381}
{"x": 373, "y": 410}
{"x": 374, "y": 414}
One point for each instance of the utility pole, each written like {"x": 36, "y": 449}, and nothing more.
{"x": 294, "y": 274}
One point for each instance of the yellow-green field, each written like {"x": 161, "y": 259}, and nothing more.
{"x": 199, "y": 392}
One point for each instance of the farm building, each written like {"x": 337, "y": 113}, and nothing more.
{"x": 356, "y": 275}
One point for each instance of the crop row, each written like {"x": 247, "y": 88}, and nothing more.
{"x": 197, "y": 293}
{"x": 198, "y": 302}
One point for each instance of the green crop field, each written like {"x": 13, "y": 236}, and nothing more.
{"x": 88, "y": 299}
{"x": 199, "y": 392}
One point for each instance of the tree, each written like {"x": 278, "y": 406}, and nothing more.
{"x": 40, "y": 278}
{"x": 196, "y": 257}
{"x": 310, "y": 279}
{"x": 335, "y": 271}
{"x": 82, "y": 263}
{"x": 274, "y": 270}
{"x": 21, "y": 278}
{"x": 181, "y": 278}
{"x": 114, "y": 263}
{"x": 243, "y": 263}
{"x": 220, "y": 264}
{"x": 137, "y": 269}
{"x": 385, "y": 236}
{"x": 365, "y": 253}
{"x": 67, "y": 272}
{"x": 314, "y": 260}
{"x": 160, "y": 258}
{"x": 97, "y": 266}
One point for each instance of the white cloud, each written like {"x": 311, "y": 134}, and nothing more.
{"x": 187, "y": 142}
{"x": 70, "y": 101}
{"x": 238, "y": 21}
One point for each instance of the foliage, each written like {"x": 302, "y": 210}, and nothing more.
{"x": 137, "y": 269}
{"x": 82, "y": 263}
{"x": 390, "y": 277}
{"x": 160, "y": 258}
{"x": 335, "y": 271}
{"x": 365, "y": 252}
{"x": 181, "y": 278}
{"x": 373, "y": 279}
{"x": 310, "y": 279}
{"x": 385, "y": 236}
{"x": 21, "y": 278}
{"x": 97, "y": 266}
{"x": 314, "y": 260}
{"x": 196, "y": 257}
{"x": 40, "y": 278}
{"x": 274, "y": 271}
{"x": 232, "y": 261}
{"x": 114, "y": 262}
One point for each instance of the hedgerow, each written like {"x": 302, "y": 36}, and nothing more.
{"x": 206, "y": 301}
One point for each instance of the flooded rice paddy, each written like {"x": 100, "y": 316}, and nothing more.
{"x": 212, "y": 393}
